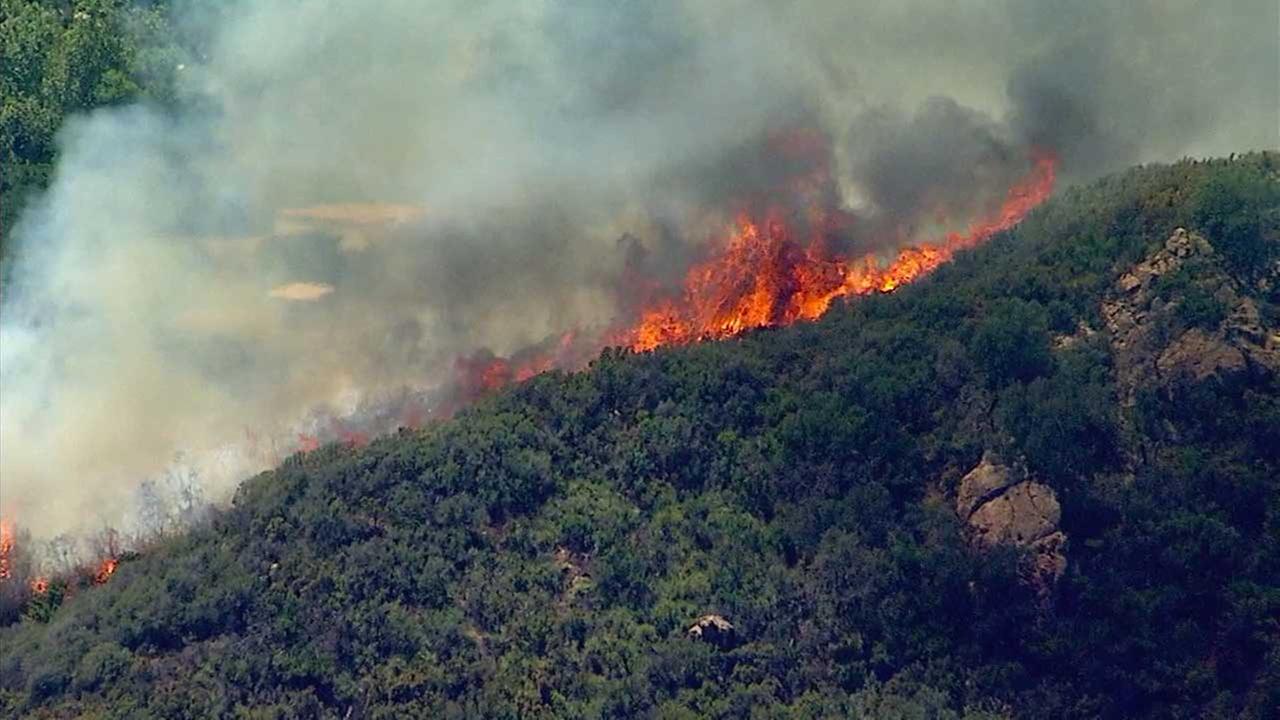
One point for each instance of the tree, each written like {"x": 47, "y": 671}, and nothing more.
{"x": 1012, "y": 341}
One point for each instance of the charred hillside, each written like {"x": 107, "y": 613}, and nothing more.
{"x": 1042, "y": 482}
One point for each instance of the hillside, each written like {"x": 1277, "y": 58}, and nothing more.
{"x": 1042, "y": 482}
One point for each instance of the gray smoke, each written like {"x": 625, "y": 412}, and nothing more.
{"x": 355, "y": 193}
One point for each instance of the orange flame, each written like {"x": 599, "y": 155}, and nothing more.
{"x": 6, "y": 549}
{"x": 39, "y": 585}
{"x": 105, "y": 569}
{"x": 352, "y": 438}
{"x": 482, "y": 372}
{"x": 764, "y": 277}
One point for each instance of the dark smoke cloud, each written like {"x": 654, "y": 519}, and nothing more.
{"x": 356, "y": 194}
{"x": 945, "y": 161}
{"x": 1110, "y": 84}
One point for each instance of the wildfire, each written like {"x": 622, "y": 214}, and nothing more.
{"x": 353, "y": 438}
{"x": 6, "y": 550}
{"x": 483, "y": 372}
{"x": 774, "y": 267}
{"x": 105, "y": 569}
{"x": 39, "y": 584}
{"x": 766, "y": 273}
{"x": 413, "y": 415}
{"x": 765, "y": 276}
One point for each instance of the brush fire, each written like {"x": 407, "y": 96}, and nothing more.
{"x": 6, "y": 549}
{"x": 766, "y": 275}
{"x": 774, "y": 265}
{"x": 282, "y": 261}
{"x": 783, "y": 255}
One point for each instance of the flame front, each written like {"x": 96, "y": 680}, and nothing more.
{"x": 765, "y": 276}
{"x": 105, "y": 569}
{"x": 766, "y": 272}
{"x": 6, "y": 549}
{"x": 774, "y": 266}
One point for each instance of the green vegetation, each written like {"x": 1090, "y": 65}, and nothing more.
{"x": 62, "y": 57}
{"x": 544, "y": 553}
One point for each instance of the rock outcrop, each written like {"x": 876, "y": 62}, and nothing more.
{"x": 1139, "y": 320}
{"x": 1197, "y": 355}
{"x": 1021, "y": 515}
{"x": 1000, "y": 505}
{"x": 1158, "y": 347}
{"x": 714, "y": 629}
{"x": 984, "y": 482}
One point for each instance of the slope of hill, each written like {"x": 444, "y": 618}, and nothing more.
{"x": 1042, "y": 483}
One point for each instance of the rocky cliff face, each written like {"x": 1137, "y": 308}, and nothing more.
{"x": 1178, "y": 319}
{"x": 1173, "y": 320}
{"x": 1001, "y": 505}
{"x": 1149, "y": 332}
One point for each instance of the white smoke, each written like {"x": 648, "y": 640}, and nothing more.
{"x": 353, "y": 193}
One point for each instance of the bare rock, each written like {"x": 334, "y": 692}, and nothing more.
{"x": 1000, "y": 505}
{"x": 989, "y": 478}
{"x": 1184, "y": 244}
{"x": 1245, "y": 322}
{"x": 1180, "y": 246}
{"x": 1134, "y": 315}
{"x": 1050, "y": 560}
{"x": 1021, "y": 515}
{"x": 1260, "y": 343}
{"x": 1198, "y": 355}
{"x": 714, "y": 629}
{"x": 1063, "y": 341}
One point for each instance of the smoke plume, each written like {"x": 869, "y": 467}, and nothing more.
{"x": 351, "y": 196}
